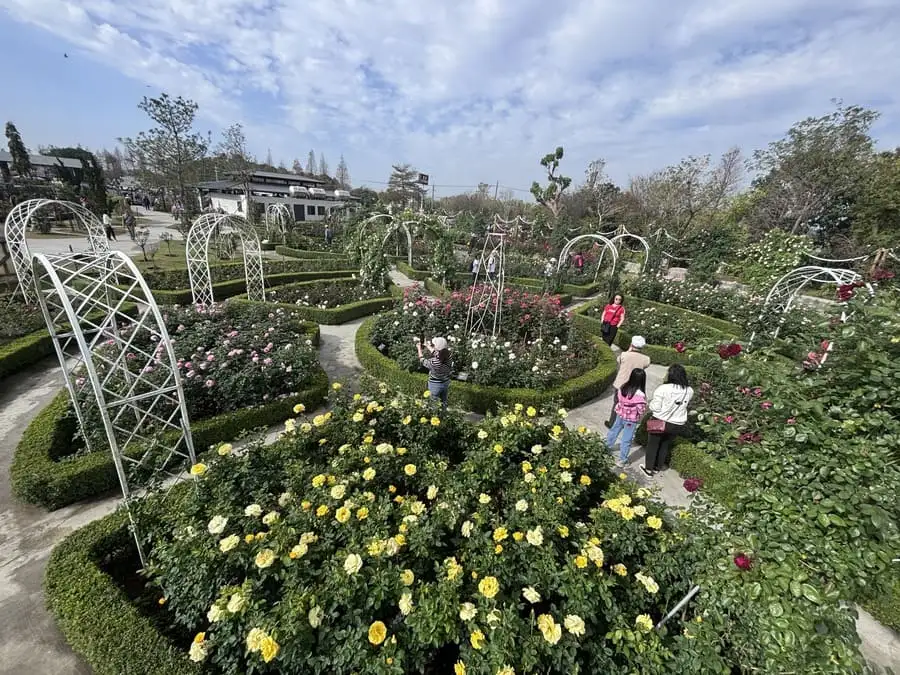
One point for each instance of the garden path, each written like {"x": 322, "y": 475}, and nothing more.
{"x": 31, "y": 644}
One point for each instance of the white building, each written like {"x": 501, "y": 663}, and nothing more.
{"x": 303, "y": 195}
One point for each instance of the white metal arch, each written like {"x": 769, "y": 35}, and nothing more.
{"x": 278, "y": 216}
{"x": 607, "y": 246}
{"x": 396, "y": 227}
{"x": 782, "y": 295}
{"x": 617, "y": 239}
{"x": 197, "y": 253}
{"x": 136, "y": 389}
{"x": 19, "y": 219}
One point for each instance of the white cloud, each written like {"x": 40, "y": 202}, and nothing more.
{"x": 480, "y": 89}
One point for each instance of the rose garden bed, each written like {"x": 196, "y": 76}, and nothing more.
{"x": 382, "y": 538}
{"x": 234, "y": 379}
{"x": 331, "y": 302}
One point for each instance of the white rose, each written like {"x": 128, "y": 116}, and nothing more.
{"x": 217, "y": 524}
{"x": 467, "y": 611}
{"x": 521, "y": 505}
{"x": 531, "y": 595}
{"x": 352, "y": 564}
{"x": 215, "y": 613}
{"x": 535, "y": 537}
{"x": 406, "y": 603}
{"x": 467, "y": 529}
{"x": 236, "y": 603}
{"x": 315, "y": 616}
{"x": 254, "y": 511}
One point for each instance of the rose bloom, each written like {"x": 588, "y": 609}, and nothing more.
{"x": 743, "y": 562}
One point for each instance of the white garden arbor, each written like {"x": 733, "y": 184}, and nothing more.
{"x": 20, "y": 219}
{"x": 394, "y": 226}
{"x": 608, "y": 245}
{"x": 486, "y": 299}
{"x": 278, "y": 218}
{"x": 617, "y": 238}
{"x": 197, "y": 252}
{"x": 124, "y": 377}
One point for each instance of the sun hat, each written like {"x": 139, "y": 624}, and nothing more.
{"x": 439, "y": 343}
{"x": 638, "y": 342}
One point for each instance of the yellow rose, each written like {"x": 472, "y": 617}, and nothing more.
{"x": 268, "y": 648}
{"x": 198, "y": 469}
{"x": 643, "y": 623}
{"x": 338, "y": 491}
{"x": 225, "y": 449}
{"x": 377, "y": 633}
{"x": 498, "y": 549}
{"x": 476, "y": 638}
{"x": 406, "y": 603}
{"x": 406, "y": 420}
{"x": 526, "y": 467}
{"x": 407, "y": 577}
{"x": 299, "y": 408}
{"x": 518, "y": 536}
{"x": 255, "y": 638}
{"x": 621, "y": 570}
{"x": 500, "y": 534}
{"x": 319, "y": 420}
{"x": 306, "y": 505}
{"x": 410, "y": 469}
{"x": 574, "y": 624}
{"x": 484, "y": 499}
{"x": 358, "y": 417}
{"x": 318, "y": 481}
{"x": 435, "y": 421}
{"x": 228, "y": 543}
{"x": 531, "y": 412}
{"x": 322, "y": 511}
{"x": 368, "y": 474}
{"x": 489, "y": 587}
{"x": 551, "y": 630}
{"x": 459, "y": 668}
{"x": 564, "y": 463}
{"x": 401, "y": 451}
{"x": 585, "y": 480}
{"x": 336, "y": 386}
{"x": 581, "y": 562}
{"x": 342, "y": 515}
{"x": 249, "y": 538}
{"x": 654, "y": 523}
{"x": 454, "y": 569}
{"x": 265, "y": 558}
{"x": 362, "y": 513}
{"x": 298, "y": 551}
{"x": 563, "y": 531}
{"x": 627, "y": 512}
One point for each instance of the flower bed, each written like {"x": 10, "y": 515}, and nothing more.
{"x": 228, "y": 289}
{"x": 331, "y": 302}
{"x": 18, "y": 319}
{"x": 289, "y": 252}
{"x": 380, "y": 538}
{"x": 480, "y": 398}
{"x": 175, "y": 279}
{"x": 231, "y": 382}
{"x": 536, "y": 348}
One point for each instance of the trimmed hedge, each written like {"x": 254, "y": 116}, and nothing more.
{"x": 96, "y": 617}
{"x": 40, "y": 477}
{"x": 22, "y": 352}
{"x": 538, "y": 284}
{"x": 340, "y": 314}
{"x": 415, "y": 275}
{"x": 289, "y": 252}
{"x": 177, "y": 279}
{"x": 228, "y": 289}
{"x": 482, "y": 398}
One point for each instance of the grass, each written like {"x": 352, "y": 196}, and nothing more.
{"x": 163, "y": 260}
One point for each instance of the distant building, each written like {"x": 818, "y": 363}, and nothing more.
{"x": 304, "y": 195}
{"x": 42, "y": 166}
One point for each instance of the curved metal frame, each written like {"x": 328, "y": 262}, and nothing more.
{"x": 19, "y": 219}
{"x": 626, "y": 234}
{"x": 395, "y": 227}
{"x": 197, "y": 252}
{"x": 788, "y": 286}
{"x": 486, "y": 301}
{"x": 608, "y": 245}
{"x": 89, "y": 301}
{"x": 277, "y": 218}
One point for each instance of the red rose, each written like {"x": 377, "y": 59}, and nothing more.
{"x": 679, "y": 347}
{"x": 882, "y": 275}
{"x": 693, "y": 484}
{"x": 743, "y": 562}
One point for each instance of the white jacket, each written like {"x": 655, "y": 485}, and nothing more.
{"x": 670, "y": 403}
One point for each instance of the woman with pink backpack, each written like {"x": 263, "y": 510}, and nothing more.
{"x": 630, "y": 408}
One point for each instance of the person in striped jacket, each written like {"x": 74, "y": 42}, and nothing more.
{"x": 439, "y": 364}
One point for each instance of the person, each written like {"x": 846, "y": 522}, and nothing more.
{"x": 613, "y": 318}
{"x": 492, "y": 267}
{"x": 439, "y": 366}
{"x": 579, "y": 263}
{"x": 670, "y": 405}
{"x": 628, "y": 360}
{"x": 128, "y": 221}
{"x": 329, "y": 235}
{"x": 107, "y": 225}
{"x": 476, "y": 265}
{"x": 146, "y": 203}
{"x": 632, "y": 402}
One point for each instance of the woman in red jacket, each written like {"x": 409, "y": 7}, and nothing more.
{"x": 613, "y": 317}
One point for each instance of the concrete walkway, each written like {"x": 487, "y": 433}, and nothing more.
{"x": 30, "y": 643}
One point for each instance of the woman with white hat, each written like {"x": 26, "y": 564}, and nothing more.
{"x": 439, "y": 366}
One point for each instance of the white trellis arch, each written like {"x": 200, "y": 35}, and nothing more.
{"x": 126, "y": 379}
{"x": 486, "y": 299}
{"x": 393, "y": 227}
{"x": 19, "y": 219}
{"x": 617, "y": 241}
{"x": 607, "y": 246}
{"x": 782, "y": 295}
{"x": 278, "y": 217}
{"x": 197, "y": 252}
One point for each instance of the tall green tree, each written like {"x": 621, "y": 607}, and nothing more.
{"x": 812, "y": 176}
{"x": 236, "y": 161}
{"x": 551, "y": 196}
{"x": 876, "y": 213}
{"x": 21, "y": 163}
{"x": 403, "y": 186}
{"x": 166, "y": 155}
{"x": 311, "y": 167}
{"x": 342, "y": 174}
{"x": 90, "y": 179}
{"x": 323, "y": 165}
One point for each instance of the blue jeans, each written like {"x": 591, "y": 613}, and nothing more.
{"x": 627, "y": 430}
{"x": 439, "y": 390}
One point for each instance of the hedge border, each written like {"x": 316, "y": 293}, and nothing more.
{"x": 289, "y": 252}
{"x": 414, "y": 274}
{"x": 574, "y": 290}
{"x": 336, "y": 315}
{"x": 95, "y": 615}
{"x": 228, "y": 289}
{"x": 37, "y": 477}
{"x": 479, "y": 398}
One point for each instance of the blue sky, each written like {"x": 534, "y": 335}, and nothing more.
{"x": 476, "y": 90}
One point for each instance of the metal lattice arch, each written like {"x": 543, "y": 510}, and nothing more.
{"x": 197, "y": 252}
{"x": 393, "y": 227}
{"x": 278, "y": 217}
{"x": 782, "y": 295}
{"x": 125, "y": 379}
{"x": 486, "y": 299}
{"x": 607, "y": 246}
{"x": 19, "y": 220}
{"x": 617, "y": 240}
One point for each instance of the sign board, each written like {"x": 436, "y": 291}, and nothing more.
{"x": 423, "y": 179}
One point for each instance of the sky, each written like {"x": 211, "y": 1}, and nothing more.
{"x": 467, "y": 91}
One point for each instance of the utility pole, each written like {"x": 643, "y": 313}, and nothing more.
{"x": 432, "y": 196}
{"x": 496, "y": 190}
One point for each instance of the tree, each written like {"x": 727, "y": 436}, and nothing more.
{"x": 602, "y": 195}
{"x": 686, "y": 195}
{"x": 367, "y": 197}
{"x": 812, "y": 175}
{"x": 269, "y": 160}
{"x": 90, "y": 176}
{"x": 166, "y": 154}
{"x": 297, "y": 167}
{"x": 550, "y": 197}
{"x": 113, "y": 166}
{"x": 311, "y": 163}
{"x": 342, "y": 174}
{"x": 403, "y": 185}
{"x": 876, "y": 214}
{"x": 21, "y": 163}
{"x": 237, "y": 161}
{"x": 323, "y": 165}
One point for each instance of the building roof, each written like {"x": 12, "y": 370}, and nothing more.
{"x": 290, "y": 177}
{"x": 282, "y": 190}
{"x": 44, "y": 160}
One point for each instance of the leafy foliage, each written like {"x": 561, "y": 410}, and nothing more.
{"x": 550, "y": 197}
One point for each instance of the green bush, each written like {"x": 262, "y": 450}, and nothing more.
{"x": 228, "y": 289}
{"x": 415, "y": 275}
{"x": 342, "y": 313}
{"x": 289, "y": 252}
{"x": 480, "y": 398}
{"x": 38, "y": 478}
{"x": 175, "y": 279}
{"x": 95, "y": 615}
{"x": 18, "y": 354}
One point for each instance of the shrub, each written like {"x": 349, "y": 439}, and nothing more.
{"x": 175, "y": 279}
{"x": 330, "y": 303}
{"x": 309, "y": 255}
{"x": 228, "y": 289}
